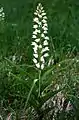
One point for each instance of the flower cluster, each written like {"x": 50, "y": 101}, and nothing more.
{"x": 40, "y": 38}
{"x": 2, "y": 14}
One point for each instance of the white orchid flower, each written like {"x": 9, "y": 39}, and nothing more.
{"x": 34, "y": 60}
{"x": 38, "y": 65}
{"x": 46, "y": 55}
{"x": 45, "y": 42}
{"x": 35, "y": 26}
{"x": 35, "y": 55}
{"x": 42, "y": 66}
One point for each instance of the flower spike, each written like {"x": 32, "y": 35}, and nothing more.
{"x": 40, "y": 38}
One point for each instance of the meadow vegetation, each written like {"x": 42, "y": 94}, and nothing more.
{"x": 30, "y": 89}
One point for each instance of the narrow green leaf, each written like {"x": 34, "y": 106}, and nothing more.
{"x": 30, "y": 92}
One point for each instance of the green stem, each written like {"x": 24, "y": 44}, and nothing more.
{"x": 39, "y": 82}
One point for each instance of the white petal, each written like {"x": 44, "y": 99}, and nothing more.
{"x": 39, "y": 4}
{"x": 36, "y": 20}
{"x": 45, "y": 42}
{"x": 35, "y": 26}
{"x": 44, "y": 17}
{"x": 37, "y": 65}
{"x": 0, "y": 15}
{"x": 39, "y": 23}
{"x": 1, "y": 9}
{"x": 35, "y": 50}
{"x": 44, "y": 28}
{"x": 43, "y": 14}
{"x": 3, "y": 15}
{"x": 35, "y": 55}
{"x": 37, "y": 40}
{"x": 34, "y": 60}
{"x": 77, "y": 60}
{"x": 42, "y": 66}
{"x": 42, "y": 59}
{"x": 38, "y": 31}
{"x": 45, "y": 49}
{"x": 42, "y": 35}
{"x": 43, "y": 11}
{"x": 45, "y": 25}
{"x": 35, "y": 44}
{"x": 41, "y": 8}
{"x": 40, "y": 46}
{"x": 34, "y": 36}
{"x": 47, "y": 38}
{"x": 45, "y": 32}
{"x": 35, "y": 33}
{"x": 13, "y": 58}
{"x": 46, "y": 55}
{"x": 40, "y": 16}
{"x": 35, "y": 13}
{"x": 44, "y": 21}
{"x": 59, "y": 65}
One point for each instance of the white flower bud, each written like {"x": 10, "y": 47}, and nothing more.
{"x": 44, "y": 17}
{"x": 42, "y": 66}
{"x": 47, "y": 38}
{"x": 35, "y": 50}
{"x": 40, "y": 46}
{"x": 43, "y": 14}
{"x": 46, "y": 55}
{"x": 36, "y": 31}
{"x": 37, "y": 65}
{"x": 13, "y": 58}
{"x": 33, "y": 43}
{"x": 34, "y": 60}
{"x": 34, "y": 36}
{"x": 44, "y": 28}
{"x": 45, "y": 49}
{"x": 35, "y": 13}
{"x": 45, "y": 25}
{"x": 0, "y": 15}
{"x": 35, "y": 55}
{"x": 45, "y": 32}
{"x": 41, "y": 8}
{"x": 35, "y": 26}
{"x": 42, "y": 59}
{"x": 37, "y": 40}
{"x": 44, "y": 21}
{"x": 40, "y": 16}
{"x": 1, "y": 9}
{"x": 3, "y": 14}
{"x": 45, "y": 42}
{"x": 42, "y": 35}
{"x": 39, "y": 24}
{"x": 36, "y": 20}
